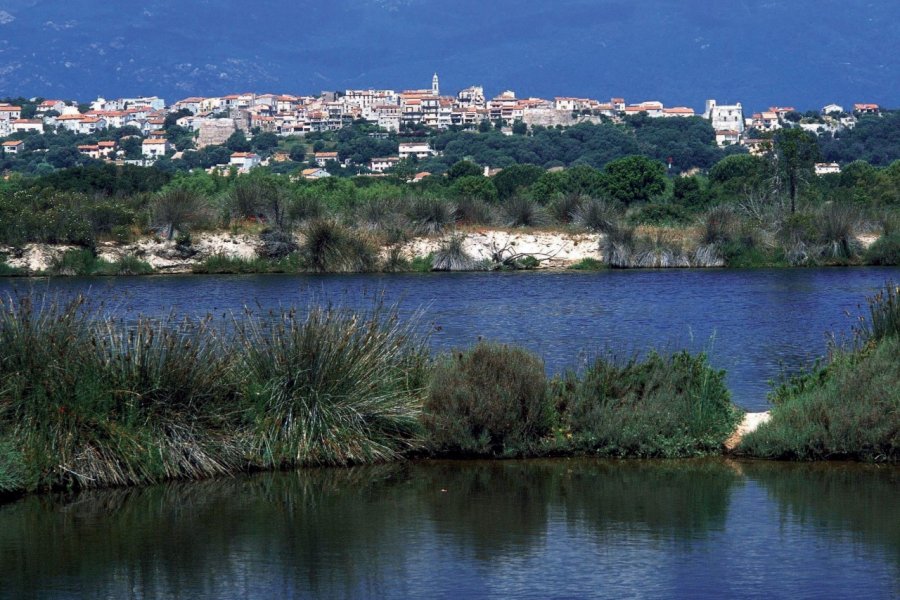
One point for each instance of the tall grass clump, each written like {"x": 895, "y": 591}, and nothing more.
{"x": 92, "y": 403}
{"x": 329, "y": 247}
{"x": 474, "y": 211}
{"x": 837, "y": 225}
{"x": 452, "y": 256}
{"x": 847, "y": 409}
{"x": 521, "y": 211}
{"x": 12, "y": 476}
{"x": 332, "y": 387}
{"x": 491, "y": 400}
{"x": 662, "y": 406}
{"x": 597, "y": 215}
{"x": 430, "y": 216}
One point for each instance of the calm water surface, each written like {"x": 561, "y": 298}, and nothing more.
{"x": 535, "y": 529}
{"x": 756, "y": 324}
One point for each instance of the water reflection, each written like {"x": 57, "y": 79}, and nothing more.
{"x": 451, "y": 529}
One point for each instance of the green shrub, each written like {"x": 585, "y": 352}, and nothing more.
{"x": 884, "y": 315}
{"x": 885, "y": 251}
{"x": 452, "y": 256}
{"x": 588, "y": 264}
{"x": 849, "y": 410}
{"x": 600, "y": 216}
{"x": 665, "y": 406}
{"x": 490, "y": 400}
{"x": 422, "y": 264}
{"x": 331, "y": 388}
{"x": 430, "y": 216}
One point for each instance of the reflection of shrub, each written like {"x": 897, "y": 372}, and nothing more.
{"x": 489, "y": 400}
{"x": 662, "y": 406}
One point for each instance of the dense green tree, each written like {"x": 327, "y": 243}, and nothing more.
{"x": 634, "y": 179}
{"x": 297, "y": 153}
{"x": 237, "y": 142}
{"x": 464, "y": 168}
{"x": 475, "y": 186}
{"x": 513, "y": 179}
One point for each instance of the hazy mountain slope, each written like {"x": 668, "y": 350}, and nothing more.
{"x": 804, "y": 52}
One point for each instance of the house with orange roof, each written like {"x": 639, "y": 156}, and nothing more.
{"x": 13, "y": 147}
{"x": 314, "y": 173}
{"x": 154, "y": 148}
{"x": 323, "y": 158}
{"x": 678, "y": 111}
{"x": 861, "y": 109}
{"x": 27, "y": 125}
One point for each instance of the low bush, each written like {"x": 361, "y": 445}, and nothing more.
{"x": 850, "y": 407}
{"x": 885, "y": 251}
{"x": 491, "y": 400}
{"x": 588, "y": 264}
{"x": 662, "y": 406}
{"x": 848, "y": 410}
{"x": 600, "y": 216}
{"x": 430, "y": 216}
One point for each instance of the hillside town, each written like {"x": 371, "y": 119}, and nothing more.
{"x": 211, "y": 121}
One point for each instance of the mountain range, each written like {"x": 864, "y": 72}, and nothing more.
{"x": 804, "y": 53}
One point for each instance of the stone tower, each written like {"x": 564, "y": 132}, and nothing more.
{"x": 435, "y": 86}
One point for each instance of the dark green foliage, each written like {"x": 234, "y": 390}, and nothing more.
{"x": 564, "y": 208}
{"x": 473, "y": 211}
{"x": 690, "y": 193}
{"x": 109, "y": 180}
{"x": 666, "y": 406}
{"x": 634, "y": 179}
{"x": 490, "y": 400}
{"x": 511, "y": 180}
{"x": 885, "y": 251}
{"x": 474, "y": 186}
{"x": 597, "y": 215}
{"x": 464, "y": 168}
{"x": 874, "y": 139}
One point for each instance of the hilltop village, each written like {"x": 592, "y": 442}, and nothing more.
{"x": 143, "y": 130}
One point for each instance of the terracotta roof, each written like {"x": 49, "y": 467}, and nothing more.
{"x": 13, "y": 143}
{"x": 156, "y": 141}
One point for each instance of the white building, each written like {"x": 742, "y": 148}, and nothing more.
{"x": 417, "y": 149}
{"x": 244, "y": 161}
{"x": 155, "y": 148}
{"x": 826, "y": 168}
{"x": 13, "y": 146}
{"x": 382, "y": 164}
{"x": 725, "y": 117}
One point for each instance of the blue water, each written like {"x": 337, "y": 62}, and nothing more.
{"x": 755, "y": 324}
{"x": 575, "y": 528}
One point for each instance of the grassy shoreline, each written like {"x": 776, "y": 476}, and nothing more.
{"x": 88, "y": 401}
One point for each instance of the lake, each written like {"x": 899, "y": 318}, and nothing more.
{"x": 756, "y": 324}
{"x": 564, "y": 528}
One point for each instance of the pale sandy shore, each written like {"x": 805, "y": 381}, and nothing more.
{"x": 749, "y": 424}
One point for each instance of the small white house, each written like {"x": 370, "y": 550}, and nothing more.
{"x": 13, "y": 147}
{"x": 382, "y": 164}
{"x": 827, "y": 168}
{"x": 244, "y": 161}
{"x": 155, "y": 147}
{"x": 417, "y": 149}
{"x": 314, "y": 173}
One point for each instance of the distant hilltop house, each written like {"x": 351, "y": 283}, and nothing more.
{"x": 725, "y": 117}
{"x": 244, "y": 161}
{"x": 323, "y": 158}
{"x": 827, "y": 168}
{"x": 866, "y": 109}
{"x": 154, "y": 148}
{"x": 382, "y": 164}
{"x": 418, "y": 149}
{"x": 314, "y": 173}
{"x": 13, "y": 146}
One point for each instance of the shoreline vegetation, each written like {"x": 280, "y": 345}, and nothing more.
{"x": 89, "y": 401}
{"x": 493, "y": 207}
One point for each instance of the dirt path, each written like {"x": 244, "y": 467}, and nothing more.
{"x": 748, "y": 425}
